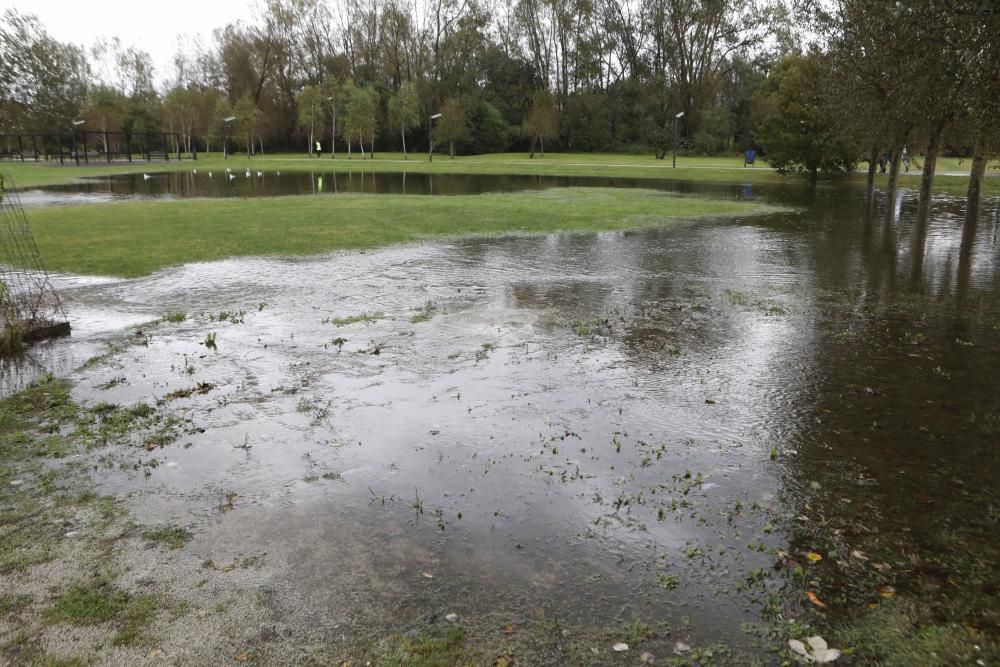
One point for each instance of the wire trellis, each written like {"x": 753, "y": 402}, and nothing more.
{"x": 29, "y": 304}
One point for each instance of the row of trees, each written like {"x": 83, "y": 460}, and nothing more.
{"x": 585, "y": 75}
{"x": 581, "y": 74}
{"x": 923, "y": 74}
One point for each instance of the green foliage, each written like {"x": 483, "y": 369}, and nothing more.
{"x": 453, "y": 125}
{"x": 404, "y": 111}
{"x": 798, "y": 130}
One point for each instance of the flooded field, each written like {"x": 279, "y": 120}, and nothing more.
{"x": 677, "y": 438}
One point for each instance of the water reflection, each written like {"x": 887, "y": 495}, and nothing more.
{"x": 272, "y": 184}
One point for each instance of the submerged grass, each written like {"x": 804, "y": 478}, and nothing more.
{"x": 138, "y": 237}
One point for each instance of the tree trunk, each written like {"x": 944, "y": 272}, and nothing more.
{"x": 451, "y": 150}
{"x": 372, "y": 144}
{"x": 532, "y": 155}
{"x": 541, "y": 145}
{"x": 402, "y": 133}
{"x": 312, "y": 138}
{"x": 813, "y": 174}
{"x": 333, "y": 137}
{"x": 974, "y": 200}
{"x": 361, "y": 145}
{"x": 894, "y": 179}
{"x": 927, "y": 179}
{"x": 870, "y": 184}
{"x": 348, "y": 147}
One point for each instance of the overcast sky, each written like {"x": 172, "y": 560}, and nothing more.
{"x": 150, "y": 26}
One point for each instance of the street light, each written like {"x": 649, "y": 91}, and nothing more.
{"x": 78, "y": 122}
{"x": 333, "y": 130}
{"x": 676, "y": 118}
{"x": 430, "y": 137}
{"x": 225, "y": 135}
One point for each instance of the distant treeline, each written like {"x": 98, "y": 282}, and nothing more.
{"x": 818, "y": 89}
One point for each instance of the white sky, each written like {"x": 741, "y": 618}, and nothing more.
{"x": 151, "y": 26}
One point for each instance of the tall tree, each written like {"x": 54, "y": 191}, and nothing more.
{"x": 404, "y": 112}
{"x": 311, "y": 112}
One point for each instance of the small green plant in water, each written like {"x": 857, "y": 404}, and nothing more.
{"x": 178, "y": 316}
{"x": 210, "y": 340}
{"x": 172, "y": 537}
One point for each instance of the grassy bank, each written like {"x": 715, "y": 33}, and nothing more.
{"x": 719, "y": 169}
{"x": 135, "y": 238}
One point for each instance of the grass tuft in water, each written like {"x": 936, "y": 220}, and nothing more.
{"x": 172, "y": 537}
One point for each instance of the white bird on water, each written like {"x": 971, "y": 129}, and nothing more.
{"x": 146, "y": 177}
{"x": 232, "y": 177}
{"x": 260, "y": 174}
{"x": 194, "y": 171}
{"x": 248, "y": 172}
{"x": 210, "y": 174}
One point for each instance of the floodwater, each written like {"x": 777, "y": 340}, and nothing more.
{"x": 240, "y": 183}
{"x": 593, "y": 428}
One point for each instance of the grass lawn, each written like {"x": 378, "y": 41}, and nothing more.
{"x": 135, "y": 238}
{"x": 720, "y": 169}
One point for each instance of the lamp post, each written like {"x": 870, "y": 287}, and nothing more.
{"x": 676, "y": 118}
{"x": 333, "y": 129}
{"x": 225, "y": 136}
{"x": 430, "y": 137}
{"x": 76, "y": 151}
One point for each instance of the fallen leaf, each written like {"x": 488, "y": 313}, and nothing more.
{"x": 813, "y": 557}
{"x": 620, "y": 647}
{"x": 814, "y": 650}
{"x": 882, "y": 567}
{"x": 886, "y": 591}
{"x": 505, "y": 660}
{"x": 815, "y": 600}
{"x": 451, "y": 618}
{"x": 681, "y": 647}
{"x": 859, "y": 555}
{"x": 507, "y": 629}
{"x": 244, "y": 656}
{"x": 426, "y": 575}
{"x": 647, "y": 658}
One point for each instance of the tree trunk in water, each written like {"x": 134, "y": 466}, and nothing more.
{"x": 927, "y": 179}
{"x": 870, "y": 184}
{"x": 894, "y": 180}
{"x": 403, "y": 135}
{"x": 974, "y": 200}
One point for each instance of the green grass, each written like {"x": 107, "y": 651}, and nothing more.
{"x": 172, "y": 537}
{"x": 353, "y": 319}
{"x": 96, "y": 602}
{"x": 136, "y": 238}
